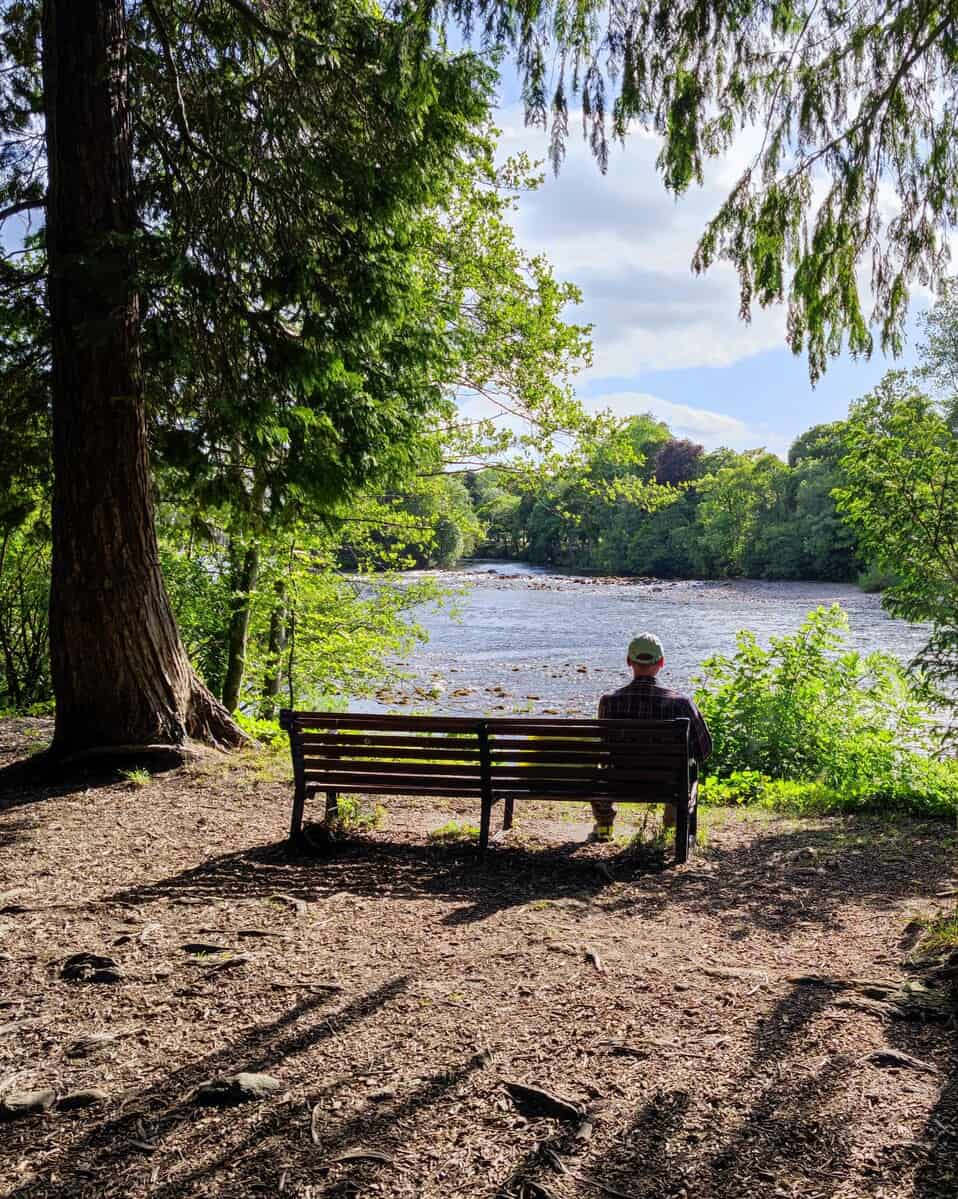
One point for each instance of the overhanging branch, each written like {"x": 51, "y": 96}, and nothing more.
{"x": 33, "y": 203}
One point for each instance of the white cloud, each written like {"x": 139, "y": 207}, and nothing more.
{"x": 629, "y": 246}
{"x": 708, "y": 428}
{"x": 711, "y": 429}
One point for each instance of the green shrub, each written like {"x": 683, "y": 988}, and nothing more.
{"x": 356, "y": 813}
{"x": 267, "y": 732}
{"x": 758, "y": 790}
{"x": 452, "y": 831}
{"x": 808, "y": 724}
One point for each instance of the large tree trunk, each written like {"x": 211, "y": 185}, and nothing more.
{"x": 120, "y": 674}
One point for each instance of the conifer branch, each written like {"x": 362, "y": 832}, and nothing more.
{"x": 182, "y": 120}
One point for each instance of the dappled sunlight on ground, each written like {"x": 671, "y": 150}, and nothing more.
{"x": 392, "y": 986}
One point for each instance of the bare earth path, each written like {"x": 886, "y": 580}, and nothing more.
{"x": 393, "y": 987}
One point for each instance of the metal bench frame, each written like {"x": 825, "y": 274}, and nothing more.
{"x": 493, "y": 760}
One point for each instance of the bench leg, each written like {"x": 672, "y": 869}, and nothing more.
{"x": 507, "y": 812}
{"x": 332, "y": 807}
{"x": 682, "y": 832}
{"x": 296, "y": 824}
{"x": 485, "y": 823}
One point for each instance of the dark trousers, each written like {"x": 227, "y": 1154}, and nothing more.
{"x": 603, "y": 812}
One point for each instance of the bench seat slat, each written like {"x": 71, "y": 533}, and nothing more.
{"x": 391, "y": 785}
{"x": 403, "y": 785}
{"x": 548, "y": 789}
{"x": 530, "y": 789}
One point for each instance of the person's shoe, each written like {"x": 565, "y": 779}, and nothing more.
{"x": 601, "y": 832}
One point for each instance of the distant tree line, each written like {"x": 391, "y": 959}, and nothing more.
{"x": 644, "y": 502}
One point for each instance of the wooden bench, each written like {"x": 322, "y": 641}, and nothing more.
{"x": 493, "y": 760}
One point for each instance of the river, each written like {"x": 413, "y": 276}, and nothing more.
{"x": 524, "y": 639}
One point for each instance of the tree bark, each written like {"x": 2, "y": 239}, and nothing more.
{"x": 120, "y": 674}
{"x": 278, "y": 629}
{"x": 245, "y": 572}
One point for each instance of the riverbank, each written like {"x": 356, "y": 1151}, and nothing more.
{"x": 393, "y": 989}
{"x": 524, "y": 639}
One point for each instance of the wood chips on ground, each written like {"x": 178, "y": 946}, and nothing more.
{"x": 394, "y": 988}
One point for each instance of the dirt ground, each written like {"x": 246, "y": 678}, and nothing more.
{"x": 394, "y": 987}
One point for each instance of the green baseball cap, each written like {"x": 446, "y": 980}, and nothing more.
{"x": 646, "y": 649}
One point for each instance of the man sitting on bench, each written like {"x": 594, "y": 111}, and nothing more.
{"x": 645, "y": 699}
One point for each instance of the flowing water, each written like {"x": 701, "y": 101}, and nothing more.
{"x": 528, "y": 640}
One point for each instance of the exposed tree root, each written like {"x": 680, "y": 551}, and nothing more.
{"x": 207, "y": 720}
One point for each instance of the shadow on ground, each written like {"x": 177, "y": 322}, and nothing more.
{"x": 35, "y": 780}
{"x": 789, "y": 1129}
{"x": 779, "y": 878}
{"x": 757, "y": 1125}
{"x": 148, "y": 1119}
{"x": 785, "y": 1131}
{"x": 936, "y": 1151}
{"x": 791, "y": 1132}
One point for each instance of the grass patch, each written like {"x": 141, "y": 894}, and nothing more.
{"x": 812, "y": 797}
{"x": 649, "y": 833}
{"x": 137, "y": 777}
{"x": 269, "y": 765}
{"x": 268, "y": 758}
{"x": 453, "y": 831}
{"x": 355, "y": 813}
{"x": 939, "y": 938}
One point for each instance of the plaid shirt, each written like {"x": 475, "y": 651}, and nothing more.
{"x": 645, "y": 699}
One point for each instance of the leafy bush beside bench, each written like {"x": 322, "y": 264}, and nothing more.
{"x": 808, "y": 724}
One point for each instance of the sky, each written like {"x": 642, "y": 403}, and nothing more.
{"x": 665, "y": 340}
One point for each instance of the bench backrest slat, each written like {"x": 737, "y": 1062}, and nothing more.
{"x": 387, "y": 741}
{"x": 370, "y": 784}
{"x": 332, "y": 766}
{"x": 305, "y": 721}
{"x": 571, "y": 726}
{"x": 399, "y": 753}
